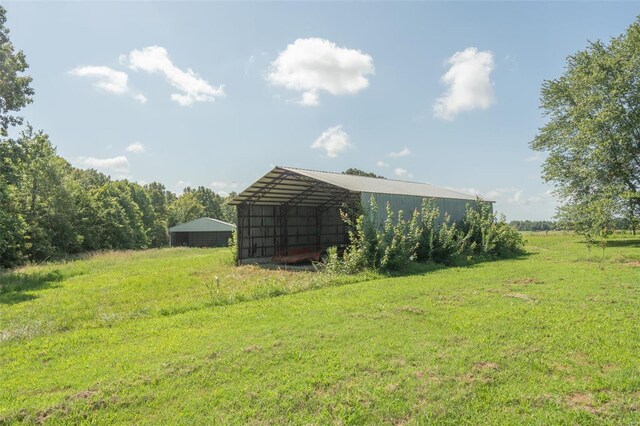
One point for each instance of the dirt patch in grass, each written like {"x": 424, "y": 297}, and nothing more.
{"x": 581, "y": 359}
{"x": 392, "y": 387}
{"x": 526, "y": 281}
{"x": 519, "y": 296}
{"x": 481, "y": 372}
{"x": 484, "y": 366}
{"x": 429, "y": 376}
{"x": 86, "y": 394}
{"x": 411, "y": 309}
{"x": 583, "y": 401}
{"x": 633, "y": 264}
{"x": 453, "y": 300}
{"x": 252, "y": 348}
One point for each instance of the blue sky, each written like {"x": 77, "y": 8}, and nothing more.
{"x": 451, "y": 88}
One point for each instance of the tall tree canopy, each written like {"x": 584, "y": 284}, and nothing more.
{"x": 593, "y": 132}
{"x": 15, "y": 92}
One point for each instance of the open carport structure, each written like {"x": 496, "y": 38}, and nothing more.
{"x": 291, "y": 209}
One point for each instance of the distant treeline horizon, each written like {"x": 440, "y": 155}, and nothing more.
{"x": 619, "y": 224}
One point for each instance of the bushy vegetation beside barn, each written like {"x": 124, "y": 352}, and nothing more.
{"x": 428, "y": 236}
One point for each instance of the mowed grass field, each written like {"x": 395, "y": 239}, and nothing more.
{"x": 552, "y": 337}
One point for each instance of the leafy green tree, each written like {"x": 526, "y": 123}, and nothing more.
{"x": 86, "y": 183}
{"x": 119, "y": 219}
{"x": 592, "y": 136}
{"x": 15, "y": 92}
{"x": 12, "y": 228}
{"x": 595, "y": 220}
{"x": 160, "y": 199}
{"x": 228, "y": 211}
{"x": 142, "y": 199}
{"x": 357, "y": 172}
{"x": 12, "y": 225}
{"x": 187, "y": 207}
{"x": 45, "y": 197}
{"x": 210, "y": 201}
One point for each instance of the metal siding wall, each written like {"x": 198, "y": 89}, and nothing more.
{"x": 408, "y": 203}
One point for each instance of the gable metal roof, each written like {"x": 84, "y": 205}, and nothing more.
{"x": 311, "y": 187}
{"x": 203, "y": 224}
{"x": 383, "y": 186}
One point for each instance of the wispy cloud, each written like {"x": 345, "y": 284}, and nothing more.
{"x": 312, "y": 65}
{"x": 193, "y": 88}
{"x": 136, "y": 148}
{"x": 402, "y": 153}
{"x": 382, "y": 164}
{"x": 535, "y": 157}
{"x": 333, "y": 141}
{"x": 109, "y": 80}
{"x": 468, "y": 82}
{"x": 118, "y": 164}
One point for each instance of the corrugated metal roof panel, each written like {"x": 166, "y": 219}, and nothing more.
{"x": 203, "y": 224}
{"x": 382, "y": 186}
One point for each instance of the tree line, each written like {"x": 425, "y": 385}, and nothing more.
{"x": 534, "y": 225}
{"x": 49, "y": 209}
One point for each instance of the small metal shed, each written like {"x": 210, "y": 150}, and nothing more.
{"x": 291, "y": 208}
{"x": 202, "y": 232}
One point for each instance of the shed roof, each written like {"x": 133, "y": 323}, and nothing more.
{"x": 203, "y": 224}
{"x": 312, "y": 187}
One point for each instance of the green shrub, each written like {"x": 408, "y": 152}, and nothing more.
{"x": 233, "y": 246}
{"x": 392, "y": 246}
{"x": 489, "y": 234}
{"x": 387, "y": 248}
{"x": 399, "y": 242}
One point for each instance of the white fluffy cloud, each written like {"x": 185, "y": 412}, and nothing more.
{"x": 402, "y": 153}
{"x": 118, "y": 164}
{"x": 109, "y": 80}
{"x": 400, "y": 172}
{"x": 136, "y": 148}
{"x": 334, "y": 141}
{"x": 155, "y": 59}
{"x": 312, "y": 65}
{"x": 468, "y": 82}
{"x": 382, "y": 164}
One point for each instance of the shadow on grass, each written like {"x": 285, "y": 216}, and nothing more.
{"x": 13, "y": 285}
{"x": 414, "y": 268}
{"x": 624, "y": 243}
{"x": 419, "y": 268}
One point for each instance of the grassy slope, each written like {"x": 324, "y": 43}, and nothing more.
{"x": 137, "y": 337}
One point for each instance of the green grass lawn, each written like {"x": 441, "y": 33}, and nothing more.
{"x": 149, "y": 337}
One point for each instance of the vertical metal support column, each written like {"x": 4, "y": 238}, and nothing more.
{"x": 239, "y": 225}
{"x": 318, "y": 227}
{"x": 284, "y": 244}
{"x": 251, "y": 250}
